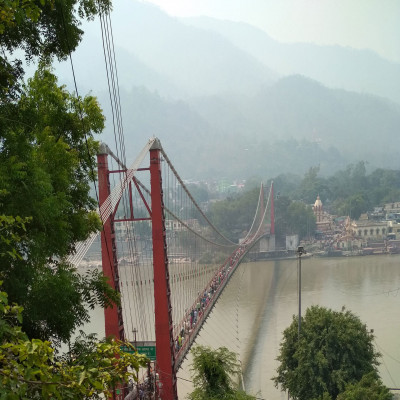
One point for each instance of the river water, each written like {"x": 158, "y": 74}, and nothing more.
{"x": 262, "y": 297}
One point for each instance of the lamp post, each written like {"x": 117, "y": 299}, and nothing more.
{"x": 300, "y": 251}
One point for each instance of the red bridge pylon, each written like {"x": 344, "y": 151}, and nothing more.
{"x": 114, "y": 325}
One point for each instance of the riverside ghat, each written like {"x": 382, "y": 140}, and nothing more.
{"x": 373, "y": 233}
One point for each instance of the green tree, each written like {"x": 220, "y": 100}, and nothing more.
{"x": 281, "y": 206}
{"x": 46, "y": 158}
{"x": 213, "y": 372}
{"x": 310, "y": 185}
{"x": 340, "y": 183}
{"x": 384, "y": 186}
{"x": 41, "y": 29}
{"x": 29, "y": 369}
{"x": 286, "y": 185}
{"x": 369, "y": 387}
{"x": 334, "y": 349}
{"x": 12, "y": 231}
{"x": 45, "y": 168}
{"x": 354, "y": 205}
{"x": 234, "y": 215}
{"x": 300, "y": 219}
{"x": 199, "y": 192}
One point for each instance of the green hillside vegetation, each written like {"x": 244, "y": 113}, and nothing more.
{"x": 351, "y": 191}
{"x": 288, "y": 127}
{"x": 210, "y": 96}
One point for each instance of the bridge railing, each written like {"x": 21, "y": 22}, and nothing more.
{"x": 191, "y": 328}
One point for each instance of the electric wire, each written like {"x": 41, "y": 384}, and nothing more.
{"x": 90, "y": 165}
{"x": 192, "y": 199}
{"x": 106, "y": 209}
{"x": 113, "y": 88}
{"x": 109, "y": 207}
{"x": 206, "y": 272}
{"x": 233, "y": 244}
{"x": 384, "y": 364}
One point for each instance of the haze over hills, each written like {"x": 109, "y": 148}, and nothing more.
{"x": 337, "y": 67}
{"x": 199, "y": 62}
{"x": 221, "y": 110}
{"x": 295, "y": 124}
{"x": 92, "y": 75}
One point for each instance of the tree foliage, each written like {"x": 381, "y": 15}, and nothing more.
{"x": 47, "y": 154}
{"x": 334, "y": 350}
{"x": 310, "y": 184}
{"x": 234, "y": 215}
{"x": 29, "y": 368}
{"x": 45, "y": 167}
{"x": 293, "y": 217}
{"x": 300, "y": 219}
{"x": 351, "y": 191}
{"x": 213, "y": 374}
{"x": 369, "y": 387}
{"x": 41, "y": 29}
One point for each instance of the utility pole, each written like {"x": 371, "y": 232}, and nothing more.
{"x": 300, "y": 251}
{"x": 134, "y": 335}
{"x": 134, "y": 331}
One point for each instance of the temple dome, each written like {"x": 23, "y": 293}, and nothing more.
{"x": 318, "y": 203}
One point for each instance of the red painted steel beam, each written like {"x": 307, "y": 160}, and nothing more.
{"x": 272, "y": 210}
{"x": 262, "y": 207}
{"x": 112, "y": 320}
{"x": 163, "y": 314}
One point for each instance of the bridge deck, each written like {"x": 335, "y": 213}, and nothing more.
{"x": 192, "y": 323}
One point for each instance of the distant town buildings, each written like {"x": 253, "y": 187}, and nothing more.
{"x": 174, "y": 225}
{"x": 374, "y": 232}
{"x": 323, "y": 219}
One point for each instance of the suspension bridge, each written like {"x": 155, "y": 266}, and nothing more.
{"x": 165, "y": 257}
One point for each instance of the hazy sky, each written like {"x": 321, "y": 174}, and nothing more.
{"x": 373, "y": 24}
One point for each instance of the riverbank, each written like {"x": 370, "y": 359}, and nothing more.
{"x": 352, "y": 253}
{"x": 367, "y": 286}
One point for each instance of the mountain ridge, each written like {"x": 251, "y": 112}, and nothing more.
{"x": 333, "y": 65}
{"x": 252, "y": 123}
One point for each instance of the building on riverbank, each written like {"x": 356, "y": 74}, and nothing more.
{"x": 375, "y": 232}
{"x": 322, "y": 218}
{"x": 368, "y": 229}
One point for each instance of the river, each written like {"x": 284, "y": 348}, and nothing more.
{"x": 261, "y": 298}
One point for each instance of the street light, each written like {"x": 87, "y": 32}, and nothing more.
{"x": 300, "y": 251}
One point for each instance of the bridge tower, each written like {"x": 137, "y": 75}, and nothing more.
{"x": 262, "y": 206}
{"x": 162, "y": 300}
{"x": 267, "y": 243}
{"x": 114, "y": 326}
{"x": 272, "y": 210}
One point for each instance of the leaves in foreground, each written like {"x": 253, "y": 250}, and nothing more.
{"x": 213, "y": 375}
{"x": 29, "y": 369}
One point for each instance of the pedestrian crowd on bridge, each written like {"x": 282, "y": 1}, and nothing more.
{"x": 148, "y": 389}
{"x": 145, "y": 390}
{"x": 204, "y": 299}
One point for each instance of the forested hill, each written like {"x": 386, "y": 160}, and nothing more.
{"x": 288, "y": 127}
{"x": 196, "y": 61}
{"x": 221, "y": 111}
{"x": 334, "y": 66}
